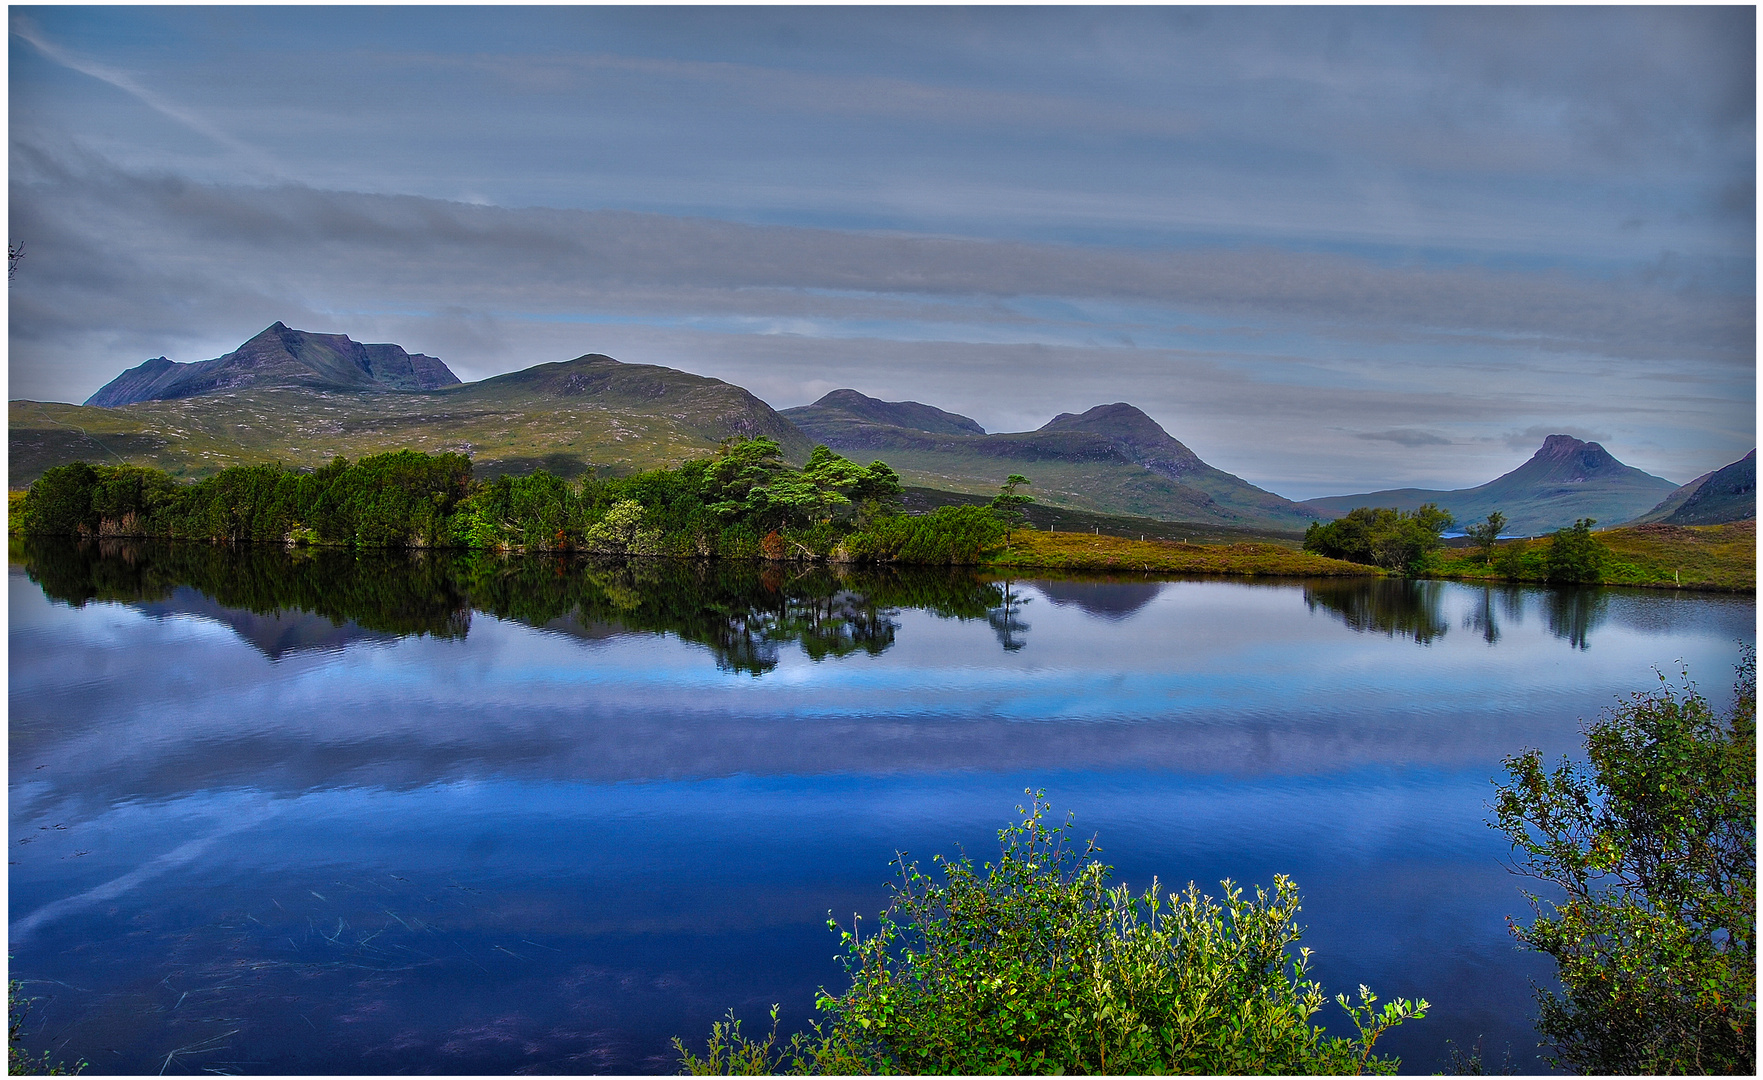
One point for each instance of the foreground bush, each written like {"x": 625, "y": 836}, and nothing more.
{"x": 1036, "y": 964}
{"x": 1654, "y": 845}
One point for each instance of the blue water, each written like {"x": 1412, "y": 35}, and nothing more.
{"x": 267, "y": 841}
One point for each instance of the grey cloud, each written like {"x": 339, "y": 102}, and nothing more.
{"x": 125, "y": 266}
{"x": 1531, "y": 437}
{"x": 556, "y": 256}
{"x": 1404, "y": 437}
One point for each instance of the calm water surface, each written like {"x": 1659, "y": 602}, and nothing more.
{"x": 318, "y": 814}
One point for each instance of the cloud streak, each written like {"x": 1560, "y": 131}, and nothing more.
{"x": 1331, "y": 249}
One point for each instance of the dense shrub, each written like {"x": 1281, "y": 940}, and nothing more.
{"x": 1381, "y": 536}
{"x": 743, "y": 502}
{"x": 1036, "y": 964}
{"x": 1652, "y": 845}
{"x": 1575, "y": 555}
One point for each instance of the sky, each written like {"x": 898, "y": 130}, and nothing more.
{"x": 1330, "y": 249}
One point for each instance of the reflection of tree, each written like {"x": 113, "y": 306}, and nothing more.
{"x": 1481, "y": 616}
{"x": 392, "y": 592}
{"x": 1005, "y": 618}
{"x": 1574, "y": 612}
{"x": 744, "y": 612}
{"x": 1396, "y": 607}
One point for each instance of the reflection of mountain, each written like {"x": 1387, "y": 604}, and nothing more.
{"x": 1394, "y": 607}
{"x": 376, "y": 592}
{"x": 286, "y": 600}
{"x": 1114, "y": 600}
{"x": 275, "y": 634}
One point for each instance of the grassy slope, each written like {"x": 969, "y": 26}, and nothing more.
{"x": 622, "y": 423}
{"x": 1064, "y": 519}
{"x": 1096, "y": 487}
{"x": 1715, "y": 557}
{"x": 1077, "y": 551}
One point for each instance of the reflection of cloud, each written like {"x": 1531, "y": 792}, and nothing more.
{"x": 116, "y": 887}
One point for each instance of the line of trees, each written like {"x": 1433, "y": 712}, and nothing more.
{"x": 743, "y": 501}
{"x": 1408, "y": 542}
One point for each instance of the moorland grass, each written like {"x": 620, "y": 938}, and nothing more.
{"x": 1719, "y": 558}
{"x": 1036, "y": 550}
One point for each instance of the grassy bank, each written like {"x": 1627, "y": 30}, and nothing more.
{"x": 1712, "y": 557}
{"x": 1032, "y": 550}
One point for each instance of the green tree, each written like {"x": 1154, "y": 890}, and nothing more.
{"x": 61, "y": 500}
{"x": 1037, "y": 964}
{"x": 1575, "y": 555}
{"x": 878, "y": 493}
{"x": 1010, "y": 507}
{"x": 1485, "y": 533}
{"x": 1652, "y": 845}
{"x": 1381, "y": 536}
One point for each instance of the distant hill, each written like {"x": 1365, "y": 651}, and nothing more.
{"x": 1728, "y": 494}
{"x": 590, "y": 412}
{"x": 280, "y": 357}
{"x": 1112, "y": 459}
{"x": 849, "y": 410}
{"x": 1565, "y": 480}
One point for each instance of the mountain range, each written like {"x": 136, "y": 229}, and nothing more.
{"x": 1565, "y": 480}
{"x": 302, "y": 398}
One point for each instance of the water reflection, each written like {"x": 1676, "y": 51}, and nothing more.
{"x": 1006, "y": 618}
{"x": 284, "y": 600}
{"x": 531, "y": 828}
{"x": 1414, "y": 609}
{"x": 1573, "y": 613}
{"x": 1481, "y": 618}
{"x": 1390, "y": 606}
{"x": 1111, "y": 600}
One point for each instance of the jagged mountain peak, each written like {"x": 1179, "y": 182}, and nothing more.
{"x": 280, "y": 356}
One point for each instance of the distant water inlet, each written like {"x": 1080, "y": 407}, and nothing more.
{"x": 311, "y": 812}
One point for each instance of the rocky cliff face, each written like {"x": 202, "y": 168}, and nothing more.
{"x": 280, "y": 357}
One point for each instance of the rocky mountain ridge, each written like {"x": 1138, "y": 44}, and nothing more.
{"x": 280, "y": 357}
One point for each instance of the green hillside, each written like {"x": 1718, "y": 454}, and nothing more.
{"x": 589, "y": 412}
{"x": 1728, "y": 494}
{"x": 1111, "y": 460}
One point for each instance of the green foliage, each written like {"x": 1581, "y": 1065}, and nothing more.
{"x": 948, "y": 536}
{"x": 743, "y": 502}
{"x": 1653, "y": 844}
{"x": 20, "y": 1062}
{"x": 1381, "y": 536}
{"x": 1036, "y": 964}
{"x": 1011, "y": 508}
{"x": 1575, "y": 555}
{"x": 61, "y": 500}
{"x": 1486, "y": 533}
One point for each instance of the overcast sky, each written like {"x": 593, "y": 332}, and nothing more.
{"x": 1329, "y": 249}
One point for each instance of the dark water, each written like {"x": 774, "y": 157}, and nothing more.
{"x": 324, "y": 814}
